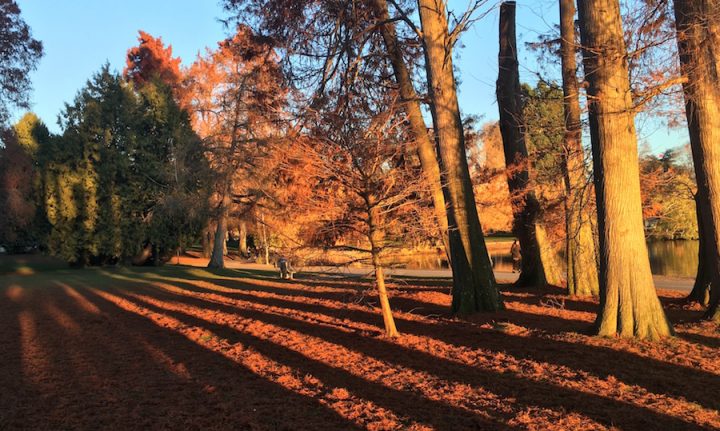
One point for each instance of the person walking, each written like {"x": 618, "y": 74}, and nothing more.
{"x": 516, "y": 256}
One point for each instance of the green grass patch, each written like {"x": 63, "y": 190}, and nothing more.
{"x": 28, "y": 264}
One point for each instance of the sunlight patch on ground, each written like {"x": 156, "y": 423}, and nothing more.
{"x": 15, "y": 293}
{"x": 81, "y": 300}
{"x": 263, "y": 366}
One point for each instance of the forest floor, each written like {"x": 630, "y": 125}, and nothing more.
{"x": 186, "y": 348}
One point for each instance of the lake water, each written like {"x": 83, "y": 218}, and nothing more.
{"x": 670, "y": 258}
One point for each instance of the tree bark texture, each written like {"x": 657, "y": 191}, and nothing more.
{"x": 375, "y": 236}
{"x": 265, "y": 239}
{"x": 581, "y": 259}
{"x": 698, "y": 35}
{"x": 207, "y": 240}
{"x": 423, "y": 144}
{"x": 629, "y": 306}
{"x": 217, "y": 259}
{"x": 474, "y": 287}
{"x": 242, "y": 241}
{"x": 525, "y": 206}
{"x": 701, "y": 288}
{"x": 552, "y": 264}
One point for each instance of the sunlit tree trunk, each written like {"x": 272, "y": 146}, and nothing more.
{"x": 629, "y": 306}
{"x": 242, "y": 242}
{"x": 207, "y": 241}
{"x": 474, "y": 287}
{"x": 265, "y": 241}
{"x": 550, "y": 257}
{"x": 582, "y": 275}
{"x": 698, "y": 34}
{"x": 424, "y": 145}
{"x": 217, "y": 259}
{"x": 375, "y": 236}
{"x": 525, "y": 206}
{"x": 701, "y": 289}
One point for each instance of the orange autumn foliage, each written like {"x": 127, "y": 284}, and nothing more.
{"x": 152, "y": 60}
{"x": 236, "y": 97}
{"x": 487, "y": 167}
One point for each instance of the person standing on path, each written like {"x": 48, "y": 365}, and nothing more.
{"x": 516, "y": 256}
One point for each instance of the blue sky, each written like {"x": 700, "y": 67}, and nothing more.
{"x": 81, "y": 35}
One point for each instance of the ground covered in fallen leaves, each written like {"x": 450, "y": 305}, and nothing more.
{"x": 185, "y": 348}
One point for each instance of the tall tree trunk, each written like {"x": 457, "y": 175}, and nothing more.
{"x": 265, "y": 243}
{"x": 698, "y": 35}
{"x": 525, "y": 206}
{"x": 629, "y": 306}
{"x": 217, "y": 259}
{"x": 375, "y": 236}
{"x": 225, "y": 248}
{"x": 207, "y": 245}
{"x": 701, "y": 289}
{"x": 474, "y": 287}
{"x": 242, "y": 241}
{"x": 424, "y": 145}
{"x": 550, "y": 257}
{"x": 582, "y": 274}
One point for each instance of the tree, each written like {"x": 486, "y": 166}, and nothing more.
{"x": 700, "y": 292}
{"x": 629, "y": 306}
{"x": 698, "y": 36}
{"x": 488, "y": 171}
{"x": 176, "y": 155}
{"x": 318, "y": 39}
{"x": 535, "y": 271}
{"x": 474, "y": 287}
{"x": 581, "y": 259}
{"x": 18, "y": 175}
{"x": 652, "y": 61}
{"x": 20, "y": 53}
{"x": 354, "y": 149}
{"x": 237, "y": 97}
{"x": 425, "y": 147}
{"x": 126, "y": 174}
{"x": 544, "y": 130}
{"x": 668, "y": 192}
{"x": 150, "y": 61}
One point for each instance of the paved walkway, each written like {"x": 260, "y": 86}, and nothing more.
{"x": 683, "y": 284}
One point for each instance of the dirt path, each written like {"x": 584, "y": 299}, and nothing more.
{"x": 682, "y": 284}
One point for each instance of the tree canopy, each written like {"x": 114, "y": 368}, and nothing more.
{"x": 126, "y": 172}
{"x": 20, "y": 54}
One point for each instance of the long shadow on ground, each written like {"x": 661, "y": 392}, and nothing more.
{"x": 531, "y": 393}
{"x": 116, "y": 370}
{"x": 656, "y": 376}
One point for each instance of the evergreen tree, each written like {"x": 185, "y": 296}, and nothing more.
{"x": 18, "y": 173}
{"x": 20, "y": 53}
{"x": 126, "y": 174}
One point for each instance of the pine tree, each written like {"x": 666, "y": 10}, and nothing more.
{"x": 20, "y": 55}
{"x": 123, "y": 175}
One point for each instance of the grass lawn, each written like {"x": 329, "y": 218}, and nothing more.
{"x": 27, "y": 264}
{"x": 186, "y": 348}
